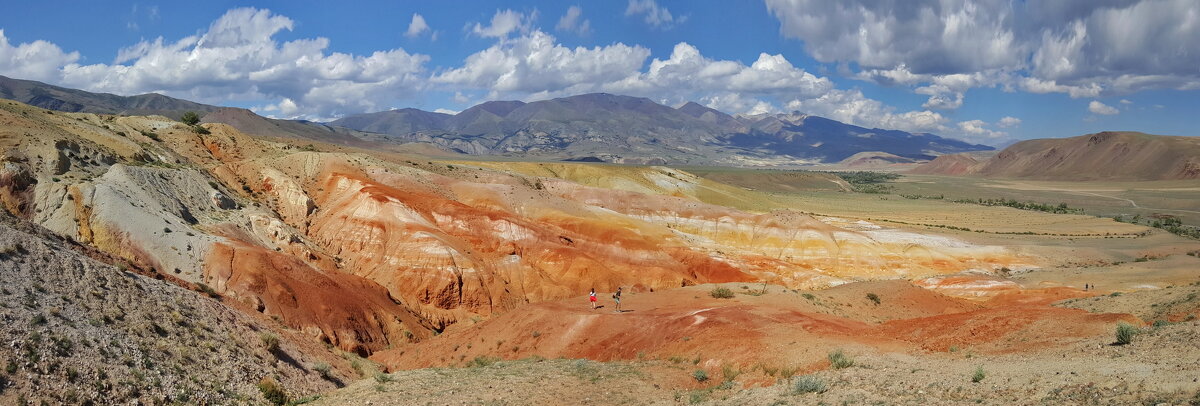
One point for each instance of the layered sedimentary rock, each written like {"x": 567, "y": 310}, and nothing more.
{"x": 369, "y": 249}
{"x": 151, "y": 191}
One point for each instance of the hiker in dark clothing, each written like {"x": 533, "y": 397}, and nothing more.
{"x": 617, "y": 298}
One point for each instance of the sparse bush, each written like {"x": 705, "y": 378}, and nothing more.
{"x": 481, "y": 361}
{"x": 788, "y": 372}
{"x": 809, "y": 384}
{"x": 323, "y": 369}
{"x": 190, "y": 118}
{"x": 874, "y": 298}
{"x": 809, "y": 296}
{"x": 721, "y": 293}
{"x": 383, "y": 378}
{"x": 272, "y": 391}
{"x": 979, "y": 374}
{"x": 200, "y": 130}
{"x": 270, "y": 341}
{"x": 729, "y": 373}
{"x": 839, "y": 360}
{"x": 207, "y": 290}
{"x": 1125, "y": 333}
{"x": 700, "y": 375}
{"x": 305, "y": 400}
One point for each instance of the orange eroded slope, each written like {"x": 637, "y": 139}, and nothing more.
{"x": 352, "y": 313}
{"x": 780, "y": 328}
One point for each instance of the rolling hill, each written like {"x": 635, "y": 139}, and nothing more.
{"x": 1109, "y": 155}
{"x": 78, "y": 101}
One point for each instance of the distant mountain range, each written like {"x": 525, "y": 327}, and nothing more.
{"x": 618, "y": 128}
{"x": 589, "y": 127}
{"x": 1109, "y": 155}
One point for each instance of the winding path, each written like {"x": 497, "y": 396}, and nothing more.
{"x": 1135, "y": 205}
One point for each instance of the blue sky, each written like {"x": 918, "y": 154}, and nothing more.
{"x": 987, "y": 71}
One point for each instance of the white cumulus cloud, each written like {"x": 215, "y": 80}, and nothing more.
{"x": 975, "y": 130}
{"x": 417, "y": 26}
{"x": 1008, "y": 122}
{"x": 851, "y": 106}
{"x": 1101, "y": 108}
{"x": 536, "y": 63}
{"x": 1081, "y": 48}
{"x": 235, "y": 58}
{"x": 505, "y": 22}
{"x": 37, "y": 60}
{"x": 573, "y": 21}
{"x": 655, "y": 15}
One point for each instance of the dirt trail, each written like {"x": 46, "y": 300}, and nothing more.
{"x": 1133, "y": 203}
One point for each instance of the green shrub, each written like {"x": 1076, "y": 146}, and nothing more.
{"x": 383, "y": 378}
{"x": 272, "y": 391}
{"x": 721, "y": 293}
{"x": 700, "y": 375}
{"x": 979, "y": 374}
{"x": 808, "y": 296}
{"x": 873, "y": 297}
{"x": 839, "y": 360}
{"x": 1125, "y": 333}
{"x": 190, "y": 118}
{"x": 270, "y": 341}
{"x": 200, "y": 130}
{"x": 809, "y": 384}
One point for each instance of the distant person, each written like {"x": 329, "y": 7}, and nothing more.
{"x": 592, "y": 298}
{"x": 617, "y": 298}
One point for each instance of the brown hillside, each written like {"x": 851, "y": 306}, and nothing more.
{"x": 953, "y": 164}
{"x": 248, "y": 122}
{"x": 875, "y": 159}
{"x": 1109, "y": 155}
{"x": 1100, "y": 156}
